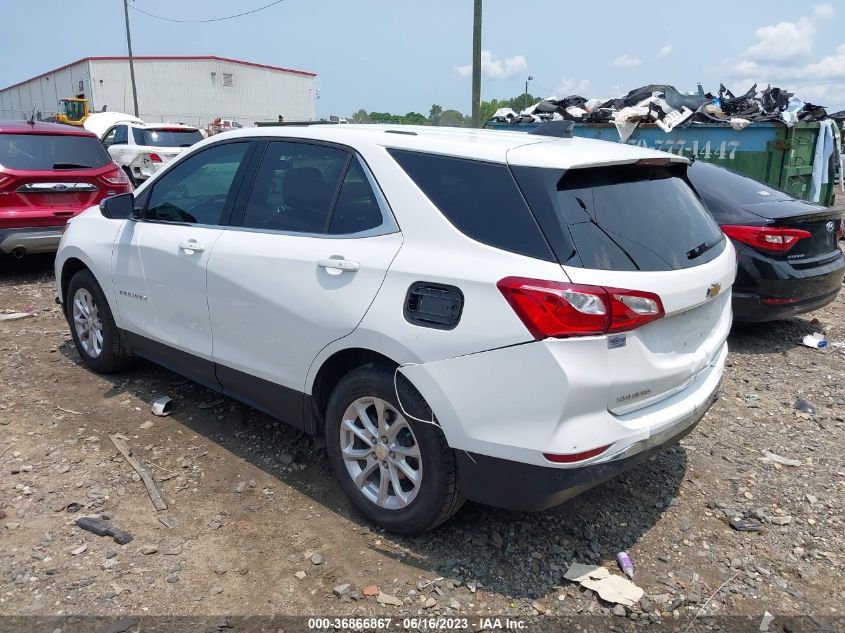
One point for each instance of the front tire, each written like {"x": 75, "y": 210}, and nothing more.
{"x": 399, "y": 472}
{"x": 92, "y": 325}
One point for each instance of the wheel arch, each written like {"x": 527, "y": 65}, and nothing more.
{"x": 332, "y": 370}
{"x": 70, "y": 267}
{"x": 70, "y": 261}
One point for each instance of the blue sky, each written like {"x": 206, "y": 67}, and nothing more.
{"x": 399, "y": 56}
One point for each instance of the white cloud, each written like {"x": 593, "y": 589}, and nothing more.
{"x": 787, "y": 40}
{"x": 494, "y": 68}
{"x": 625, "y": 61}
{"x": 831, "y": 67}
{"x": 568, "y": 87}
{"x": 783, "y": 56}
{"x": 823, "y": 11}
{"x": 665, "y": 51}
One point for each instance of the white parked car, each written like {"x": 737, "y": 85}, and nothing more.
{"x": 142, "y": 149}
{"x": 462, "y": 314}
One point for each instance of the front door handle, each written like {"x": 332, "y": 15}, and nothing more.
{"x": 191, "y": 247}
{"x": 339, "y": 264}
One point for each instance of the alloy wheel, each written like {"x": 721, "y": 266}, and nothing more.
{"x": 86, "y": 322}
{"x": 381, "y": 453}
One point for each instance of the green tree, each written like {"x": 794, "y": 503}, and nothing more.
{"x": 414, "y": 118}
{"x": 452, "y": 118}
{"x": 488, "y": 108}
{"x": 520, "y": 102}
{"x": 361, "y": 116}
{"x": 434, "y": 114}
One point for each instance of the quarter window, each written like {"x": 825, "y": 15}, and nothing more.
{"x": 294, "y": 188}
{"x": 196, "y": 190}
{"x": 480, "y": 199}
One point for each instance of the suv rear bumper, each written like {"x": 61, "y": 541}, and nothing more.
{"x": 27, "y": 241}
{"x": 528, "y": 487}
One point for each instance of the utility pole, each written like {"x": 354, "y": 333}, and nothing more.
{"x": 476, "y": 64}
{"x": 530, "y": 78}
{"x": 131, "y": 63}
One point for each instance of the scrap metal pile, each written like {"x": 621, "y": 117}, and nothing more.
{"x": 668, "y": 108}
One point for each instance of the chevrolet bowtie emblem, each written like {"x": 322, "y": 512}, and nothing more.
{"x": 713, "y": 290}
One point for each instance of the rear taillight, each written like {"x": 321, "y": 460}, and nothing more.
{"x": 117, "y": 178}
{"x": 559, "y": 310}
{"x": 155, "y": 158}
{"x": 841, "y": 232}
{"x": 767, "y": 238}
{"x": 3, "y": 180}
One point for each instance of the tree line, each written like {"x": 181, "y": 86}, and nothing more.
{"x": 438, "y": 116}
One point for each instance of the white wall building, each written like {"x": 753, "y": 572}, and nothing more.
{"x": 191, "y": 90}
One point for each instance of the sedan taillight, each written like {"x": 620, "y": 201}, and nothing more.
{"x": 559, "y": 310}
{"x": 766, "y": 238}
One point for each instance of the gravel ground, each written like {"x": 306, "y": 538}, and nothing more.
{"x": 256, "y": 525}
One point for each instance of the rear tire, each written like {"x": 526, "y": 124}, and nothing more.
{"x": 414, "y": 451}
{"x": 92, "y": 325}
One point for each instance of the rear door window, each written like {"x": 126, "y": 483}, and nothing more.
{"x": 49, "y": 152}
{"x": 295, "y": 187}
{"x": 480, "y": 199}
{"x": 628, "y": 217}
{"x": 121, "y": 135}
{"x": 357, "y": 208}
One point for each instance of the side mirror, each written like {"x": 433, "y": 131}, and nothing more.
{"x": 120, "y": 207}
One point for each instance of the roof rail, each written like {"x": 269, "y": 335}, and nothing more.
{"x": 293, "y": 123}
{"x": 560, "y": 129}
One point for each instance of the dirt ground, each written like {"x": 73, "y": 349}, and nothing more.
{"x": 255, "y": 523}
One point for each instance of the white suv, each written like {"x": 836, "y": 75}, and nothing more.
{"x": 142, "y": 149}
{"x": 462, "y": 314}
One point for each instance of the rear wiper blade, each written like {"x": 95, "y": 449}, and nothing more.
{"x": 700, "y": 249}
{"x": 71, "y": 166}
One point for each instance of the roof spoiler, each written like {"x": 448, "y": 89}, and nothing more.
{"x": 559, "y": 129}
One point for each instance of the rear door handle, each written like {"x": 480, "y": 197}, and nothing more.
{"x": 339, "y": 264}
{"x": 192, "y": 247}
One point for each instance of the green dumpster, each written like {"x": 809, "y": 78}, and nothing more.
{"x": 772, "y": 152}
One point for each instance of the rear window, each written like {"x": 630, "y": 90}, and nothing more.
{"x": 44, "y": 152}
{"x": 628, "y": 217}
{"x": 480, "y": 199}
{"x": 166, "y": 137}
{"x": 724, "y": 190}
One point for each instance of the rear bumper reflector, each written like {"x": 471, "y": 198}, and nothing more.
{"x": 571, "y": 458}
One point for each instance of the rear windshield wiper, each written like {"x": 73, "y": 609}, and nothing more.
{"x": 71, "y": 166}
{"x": 701, "y": 249}
{"x": 592, "y": 221}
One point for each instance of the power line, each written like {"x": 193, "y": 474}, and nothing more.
{"x": 228, "y": 17}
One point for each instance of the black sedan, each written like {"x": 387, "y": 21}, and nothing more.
{"x": 788, "y": 249}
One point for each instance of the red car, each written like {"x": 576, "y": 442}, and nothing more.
{"x": 48, "y": 174}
